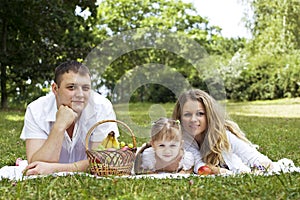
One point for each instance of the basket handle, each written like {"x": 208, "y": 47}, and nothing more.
{"x": 102, "y": 122}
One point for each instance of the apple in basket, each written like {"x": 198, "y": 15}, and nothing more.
{"x": 111, "y": 149}
{"x": 100, "y": 147}
{"x": 125, "y": 148}
{"x": 122, "y": 144}
{"x": 97, "y": 160}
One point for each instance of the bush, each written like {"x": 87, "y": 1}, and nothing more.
{"x": 263, "y": 77}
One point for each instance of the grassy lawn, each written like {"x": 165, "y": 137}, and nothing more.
{"x": 273, "y": 125}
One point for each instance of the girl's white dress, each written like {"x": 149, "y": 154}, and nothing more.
{"x": 149, "y": 161}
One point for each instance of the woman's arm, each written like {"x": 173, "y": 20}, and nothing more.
{"x": 247, "y": 153}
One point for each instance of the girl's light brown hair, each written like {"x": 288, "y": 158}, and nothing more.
{"x": 166, "y": 129}
{"x": 162, "y": 129}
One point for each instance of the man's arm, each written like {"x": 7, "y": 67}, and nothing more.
{"x": 45, "y": 150}
{"x": 44, "y": 168}
{"x": 39, "y": 167}
{"x": 32, "y": 146}
{"x": 49, "y": 150}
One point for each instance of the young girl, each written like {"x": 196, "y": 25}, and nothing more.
{"x": 164, "y": 153}
{"x": 216, "y": 142}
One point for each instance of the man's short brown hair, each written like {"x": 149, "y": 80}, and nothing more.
{"x": 67, "y": 66}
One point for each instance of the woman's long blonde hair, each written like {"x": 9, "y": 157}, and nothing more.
{"x": 215, "y": 140}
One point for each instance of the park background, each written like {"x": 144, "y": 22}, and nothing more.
{"x": 261, "y": 79}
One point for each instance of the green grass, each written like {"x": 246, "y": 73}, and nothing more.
{"x": 273, "y": 125}
{"x": 12, "y": 147}
{"x": 285, "y": 108}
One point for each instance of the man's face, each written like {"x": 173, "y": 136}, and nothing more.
{"x": 73, "y": 91}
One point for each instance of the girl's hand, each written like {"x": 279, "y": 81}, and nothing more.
{"x": 190, "y": 171}
{"x": 225, "y": 171}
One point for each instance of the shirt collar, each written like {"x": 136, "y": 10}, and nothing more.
{"x": 86, "y": 114}
{"x": 51, "y": 109}
{"x": 89, "y": 110}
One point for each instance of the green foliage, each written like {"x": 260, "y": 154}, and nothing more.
{"x": 36, "y": 36}
{"x": 263, "y": 77}
{"x": 275, "y": 26}
{"x": 277, "y": 138}
{"x": 267, "y": 68}
{"x": 118, "y": 16}
{"x": 153, "y": 19}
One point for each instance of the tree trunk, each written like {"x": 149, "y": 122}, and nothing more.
{"x": 3, "y": 67}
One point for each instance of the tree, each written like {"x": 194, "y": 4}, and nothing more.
{"x": 35, "y": 37}
{"x": 274, "y": 26}
{"x": 115, "y": 17}
{"x": 268, "y": 67}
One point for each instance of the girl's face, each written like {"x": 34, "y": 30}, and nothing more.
{"x": 167, "y": 150}
{"x": 74, "y": 91}
{"x": 193, "y": 119}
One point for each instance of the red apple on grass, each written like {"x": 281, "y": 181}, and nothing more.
{"x": 205, "y": 170}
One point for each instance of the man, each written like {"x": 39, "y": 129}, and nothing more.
{"x": 56, "y": 125}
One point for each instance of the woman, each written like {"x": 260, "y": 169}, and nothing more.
{"x": 214, "y": 140}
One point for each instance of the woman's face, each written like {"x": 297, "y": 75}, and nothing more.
{"x": 193, "y": 118}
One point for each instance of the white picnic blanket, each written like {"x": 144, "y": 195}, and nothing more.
{"x": 13, "y": 172}
{"x": 16, "y": 172}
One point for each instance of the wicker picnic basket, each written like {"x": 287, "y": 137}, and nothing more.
{"x": 111, "y": 162}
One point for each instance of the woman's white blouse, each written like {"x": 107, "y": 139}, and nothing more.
{"x": 240, "y": 158}
{"x": 148, "y": 160}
